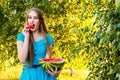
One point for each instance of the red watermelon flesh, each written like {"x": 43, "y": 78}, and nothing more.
{"x": 47, "y": 63}
{"x": 52, "y": 60}
{"x": 30, "y": 26}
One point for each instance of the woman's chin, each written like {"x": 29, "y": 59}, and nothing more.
{"x": 32, "y": 30}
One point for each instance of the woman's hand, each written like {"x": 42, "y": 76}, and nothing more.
{"x": 23, "y": 46}
{"x": 55, "y": 72}
{"x": 26, "y": 32}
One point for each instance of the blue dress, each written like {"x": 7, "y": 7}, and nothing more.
{"x": 39, "y": 52}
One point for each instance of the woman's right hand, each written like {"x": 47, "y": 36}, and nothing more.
{"x": 23, "y": 46}
{"x": 26, "y": 32}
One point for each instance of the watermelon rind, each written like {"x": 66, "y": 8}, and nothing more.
{"x": 52, "y": 64}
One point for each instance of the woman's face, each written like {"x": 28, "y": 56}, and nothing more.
{"x": 33, "y": 18}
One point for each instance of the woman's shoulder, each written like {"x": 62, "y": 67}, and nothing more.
{"x": 20, "y": 33}
{"x": 48, "y": 35}
{"x": 49, "y": 39}
{"x": 20, "y": 37}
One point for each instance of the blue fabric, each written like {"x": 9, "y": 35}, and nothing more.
{"x": 20, "y": 37}
{"x": 39, "y": 52}
{"x": 49, "y": 39}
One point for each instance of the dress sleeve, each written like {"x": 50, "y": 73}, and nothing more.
{"x": 50, "y": 39}
{"x": 20, "y": 37}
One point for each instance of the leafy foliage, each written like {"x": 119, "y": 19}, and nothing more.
{"x": 106, "y": 64}
{"x": 85, "y": 32}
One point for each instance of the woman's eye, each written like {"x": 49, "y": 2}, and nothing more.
{"x": 36, "y": 18}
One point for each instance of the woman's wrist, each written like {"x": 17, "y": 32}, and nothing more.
{"x": 26, "y": 37}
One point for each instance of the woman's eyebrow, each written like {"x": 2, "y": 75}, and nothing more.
{"x": 35, "y": 16}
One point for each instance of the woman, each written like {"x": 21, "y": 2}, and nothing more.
{"x": 33, "y": 44}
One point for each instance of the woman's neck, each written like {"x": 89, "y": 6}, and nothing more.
{"x": 35, "y": 32}
{"x": 36, "y": 35}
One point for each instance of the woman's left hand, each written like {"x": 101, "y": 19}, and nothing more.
{"x": 55, "y": 72}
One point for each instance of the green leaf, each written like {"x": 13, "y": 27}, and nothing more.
{"x": 117, "y": 5}
{"x": 118, "y": 45}
{"x": 118, "y": 26}
{"x": 95, "y": 1}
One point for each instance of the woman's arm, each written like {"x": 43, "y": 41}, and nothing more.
{"x": 55, "y": 72}
{"x": 22, "y": 48}
{"x": 48, "y": 52}
{"x": 49, "y": 44}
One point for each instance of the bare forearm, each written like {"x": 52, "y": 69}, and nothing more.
{"x": 48, "y": 53}
{"x": 23, "y": 53}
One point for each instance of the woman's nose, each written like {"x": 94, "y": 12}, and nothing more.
{"x": 32, "y": 19}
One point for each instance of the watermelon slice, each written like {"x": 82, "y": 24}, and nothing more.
{"x": 48, "y": 63}
{"x": 30, "y": 26}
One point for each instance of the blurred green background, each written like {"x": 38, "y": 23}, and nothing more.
{"x": 86, "y": 34}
